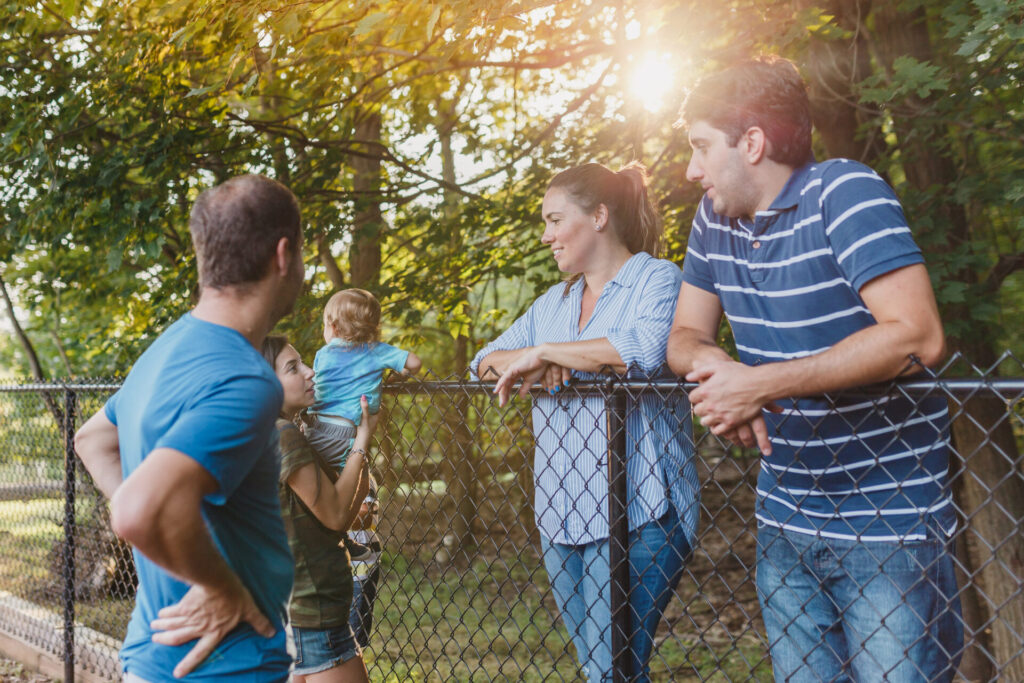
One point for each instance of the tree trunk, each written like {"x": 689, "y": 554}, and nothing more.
{"x": 834, "y": 68}
{"x": 462, "y": 474}
{"x": 368, "y": 225}
{"x": 991, "y": 489}
{"x": 30, "y": 352}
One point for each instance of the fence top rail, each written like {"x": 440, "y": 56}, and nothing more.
{"x": 1007, "y": 387}
{"x": 36, "y": 387}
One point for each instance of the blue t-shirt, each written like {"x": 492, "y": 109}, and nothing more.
{"x": 346, "y": 371}
{"x": 789, "y": 284}
{"x": 202, "y": 389}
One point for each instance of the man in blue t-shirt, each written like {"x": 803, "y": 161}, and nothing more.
{"x": 184, "y": 451}
{"x": 816, "y": 270}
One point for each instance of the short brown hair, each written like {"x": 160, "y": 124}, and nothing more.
{"x": 355, "y": 315}
{"x": 236, "y": 227}
{"x": 767, "y": 92}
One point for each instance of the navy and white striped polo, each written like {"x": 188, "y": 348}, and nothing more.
{"x": 789, "y": 282}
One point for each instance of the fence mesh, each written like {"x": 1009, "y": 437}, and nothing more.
{"x": 463, "y": 592}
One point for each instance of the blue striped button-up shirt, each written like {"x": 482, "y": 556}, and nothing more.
{"x": 634, "y": 312}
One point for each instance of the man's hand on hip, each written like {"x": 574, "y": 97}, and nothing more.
{"x": 208, "y": 615}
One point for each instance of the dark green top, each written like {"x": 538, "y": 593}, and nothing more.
{"x": 322, "y": 592}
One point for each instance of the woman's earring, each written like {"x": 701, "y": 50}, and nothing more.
{"x": 598, "y": 226}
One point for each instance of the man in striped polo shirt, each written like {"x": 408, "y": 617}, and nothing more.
{"x": 815, "y": 268}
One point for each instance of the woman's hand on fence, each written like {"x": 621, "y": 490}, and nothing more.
{"x": 528, "y": 366}
{"x": 556, "y": 378}
{"x": 208, "y": 615}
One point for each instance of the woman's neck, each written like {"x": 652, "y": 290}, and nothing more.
{"x": 605, "y": 270}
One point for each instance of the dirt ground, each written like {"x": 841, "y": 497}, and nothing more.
{"x": 14, "y": 672}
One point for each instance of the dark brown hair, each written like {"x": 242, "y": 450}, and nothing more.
{"x": 766, "y": 92}
{"x": 236, "y": 227}
{"x": 273, "y": 345}
{"x": 630, "y": 212}
{"x": 355, "y": 315}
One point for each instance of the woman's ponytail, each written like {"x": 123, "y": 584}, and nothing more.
{"x": 638, "y": 222}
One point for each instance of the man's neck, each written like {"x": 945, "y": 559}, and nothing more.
{"x": 771, "y": 178}
{"x": 246, "y": 313}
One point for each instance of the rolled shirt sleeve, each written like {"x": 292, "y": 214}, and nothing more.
{"x": 518, "y": 336}
{"x": 642, "y": 345}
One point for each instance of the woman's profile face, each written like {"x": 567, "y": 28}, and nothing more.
{"x": 296, "y": 380}
{"x": 570, "y": 231}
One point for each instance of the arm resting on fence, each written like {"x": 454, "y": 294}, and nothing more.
{"x": 549, "y": 364}
{"x": 692, "y": 347}
{"x": 907, "y": 325}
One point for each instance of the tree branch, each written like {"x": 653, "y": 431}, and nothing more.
{"x": 1005, "y": 266}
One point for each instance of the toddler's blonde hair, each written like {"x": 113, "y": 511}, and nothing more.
{"x": 355, "y": 316}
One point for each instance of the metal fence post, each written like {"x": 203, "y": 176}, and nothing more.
{"x": 68, "y": 559}
{"x": 618, "y": 531}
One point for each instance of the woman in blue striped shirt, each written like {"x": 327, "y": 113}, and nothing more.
{"x": 613, "y": 314}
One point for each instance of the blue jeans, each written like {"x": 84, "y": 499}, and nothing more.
{"x": 841, "y": 610}
{"x": 580, "y": 581}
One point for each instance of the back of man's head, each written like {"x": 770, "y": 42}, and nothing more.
{"x": 767, "y": 93}
{"x": 236, "y": 227}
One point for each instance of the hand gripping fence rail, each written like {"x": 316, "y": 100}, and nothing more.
{"x": 473, "y": 582}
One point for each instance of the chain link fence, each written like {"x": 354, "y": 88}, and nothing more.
{"x": 463, "y": 593}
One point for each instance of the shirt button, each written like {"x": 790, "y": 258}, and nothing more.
{"x": 757, "y": 245}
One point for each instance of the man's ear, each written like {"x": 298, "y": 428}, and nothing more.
{"x": 284, "y": 256}
{"x": 754, "y": 145}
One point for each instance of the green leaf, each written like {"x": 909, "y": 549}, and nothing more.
{"x": 368, "y": 22}
{"x": 432, "y": 21}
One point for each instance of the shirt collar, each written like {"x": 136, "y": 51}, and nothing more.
{"x": 627, "y": 276}
{"x": 630, "y": 271}
{"x": 790, "y": 195}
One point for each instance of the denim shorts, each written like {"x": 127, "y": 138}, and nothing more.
{"x": 319, "y": 649}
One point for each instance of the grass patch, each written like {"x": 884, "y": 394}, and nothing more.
{"x": 28, "y": 530}
{"x": 496, "y": 620}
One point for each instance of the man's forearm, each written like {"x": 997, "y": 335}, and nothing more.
{"x": 689, "y": 348}
{"x": 877, "y": 353}
{"x": 104, "y": 468}
{"x": 179, "y": 542}
{"x": 158, "y": 510}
